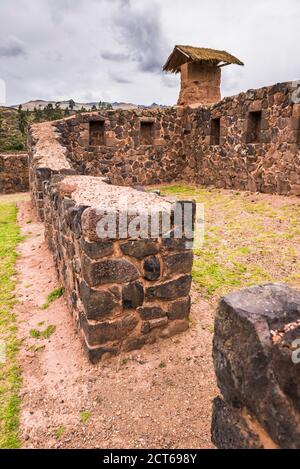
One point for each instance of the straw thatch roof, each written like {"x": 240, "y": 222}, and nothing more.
{"x": 184, "y": 54}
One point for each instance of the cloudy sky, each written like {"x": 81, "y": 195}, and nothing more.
{"x": 113, "y": 50}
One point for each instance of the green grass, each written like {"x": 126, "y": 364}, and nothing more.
{"x": 54, "y": 295}
{"x": 162, "y": 365}
{"x": 60, "y": 432}
{"x": 10, "y": 371}
{"x": 249, "y": 239}
{"x": 45, "y": 334}
{"x": 85, "y": 416}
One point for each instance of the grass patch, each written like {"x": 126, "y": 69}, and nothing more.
{"x": 60, "y": 432}
{"x": 36, "y": 348}
{"x": 45, "y": 334}
{"x": 249, "y": 239}
{"x": 54, "y": 295}
{"x": 162, "y": 365}
{"x": 85, "y": 416}
{"x": 10, "y": 371}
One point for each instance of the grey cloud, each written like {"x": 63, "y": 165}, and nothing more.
{"x": 11, "y": 47}
{"x": 115, "y": 49}
{"x": 142, "y": 33}
{"x": 118, "y": 78}
{"x": 114, "y": 56}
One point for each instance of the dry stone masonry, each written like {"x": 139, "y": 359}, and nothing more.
{"x": 123, "y": 292}
{"x": 247, "y": 142}
{"x": 257, "y": 146}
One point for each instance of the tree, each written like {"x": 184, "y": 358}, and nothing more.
{"x": 49, "y": 112}
{"x": 105, "y": 106}
{"x": 57, "y": 112}
{"x": 38, "y": 114}
{"x": 72, "y": 104}
{"x": 22, "y": 120}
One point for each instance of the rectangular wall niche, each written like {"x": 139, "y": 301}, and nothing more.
{"x": 97, "y": 133}
{"x": 215, "y": 131}
{"x": 254, "y": 127}
{"x": 147, "y": 133}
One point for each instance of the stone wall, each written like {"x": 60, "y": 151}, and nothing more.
{"x": 47, "y": 158}
{"x": 14, "y": 173}
{"x": 258, "y": 370}
{"x": 122, "y": 155}
{"x": 124, "y": 292}
{"x": 271, "y": 164}
{"x": 247, "y": 142}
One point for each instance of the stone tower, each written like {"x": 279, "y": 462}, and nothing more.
{"x": 200, "y": 70}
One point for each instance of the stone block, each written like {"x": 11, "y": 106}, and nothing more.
{"x": 170, "y": 290}
{"x": 133, "y": 295}
{"x": 179, "y": 263}
{"x": 179, "y": 309}
{"x": 96, "y": 250}
{"x": 140, "y": 248}
{"x": 108, "y": 331}
{"x": 108, "y": 271}
{"x": 247, "y": 359}
{"x": 148, "y": 313}
{"x": 151, "y": 268}
{"x": 148, "y": 326}
{"x": 99, "y": 304}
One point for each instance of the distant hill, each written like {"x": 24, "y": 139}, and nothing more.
{"x": 41, "y": 104}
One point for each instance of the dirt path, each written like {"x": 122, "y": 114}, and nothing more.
{"x": 157, "y": 397}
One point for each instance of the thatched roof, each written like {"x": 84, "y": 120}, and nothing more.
{"x": 184, "y": 54}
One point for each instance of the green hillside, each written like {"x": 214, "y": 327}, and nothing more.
{"x": 14, "y": 122}
{"x": 11, "y": 137}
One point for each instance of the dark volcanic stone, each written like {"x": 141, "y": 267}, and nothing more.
{"x": 152, "y": 268}
{"x": 147, "y": 313}
{"x": 179, "y": 309}
{"x": 243, "y": 350}
{"x": 229, "y": 430}
{"x": 96, "y": 353}
{"x": 99, "y": 304}
{"x": 97, "y": 250}
{"x": 108, "y": 271}
{"x": 74, "y": 219}
{"x": 133, "y": 295}
{"x": 140, "y": 248}
{"x": 98, "y": 334}
{"x": 171, "y": 290}
{"x": 180, "y": 263}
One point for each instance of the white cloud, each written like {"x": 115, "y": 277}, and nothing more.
{"x": 113, "y": 49}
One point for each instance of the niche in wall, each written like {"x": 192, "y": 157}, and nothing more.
{"x": 147, "y": 133}
{"x": 97, "y": 136}
{"x": 254, "y": 127}
{"x": 215, "y": 131}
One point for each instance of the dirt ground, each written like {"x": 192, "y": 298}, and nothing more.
{"x": 158, "y": 397}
